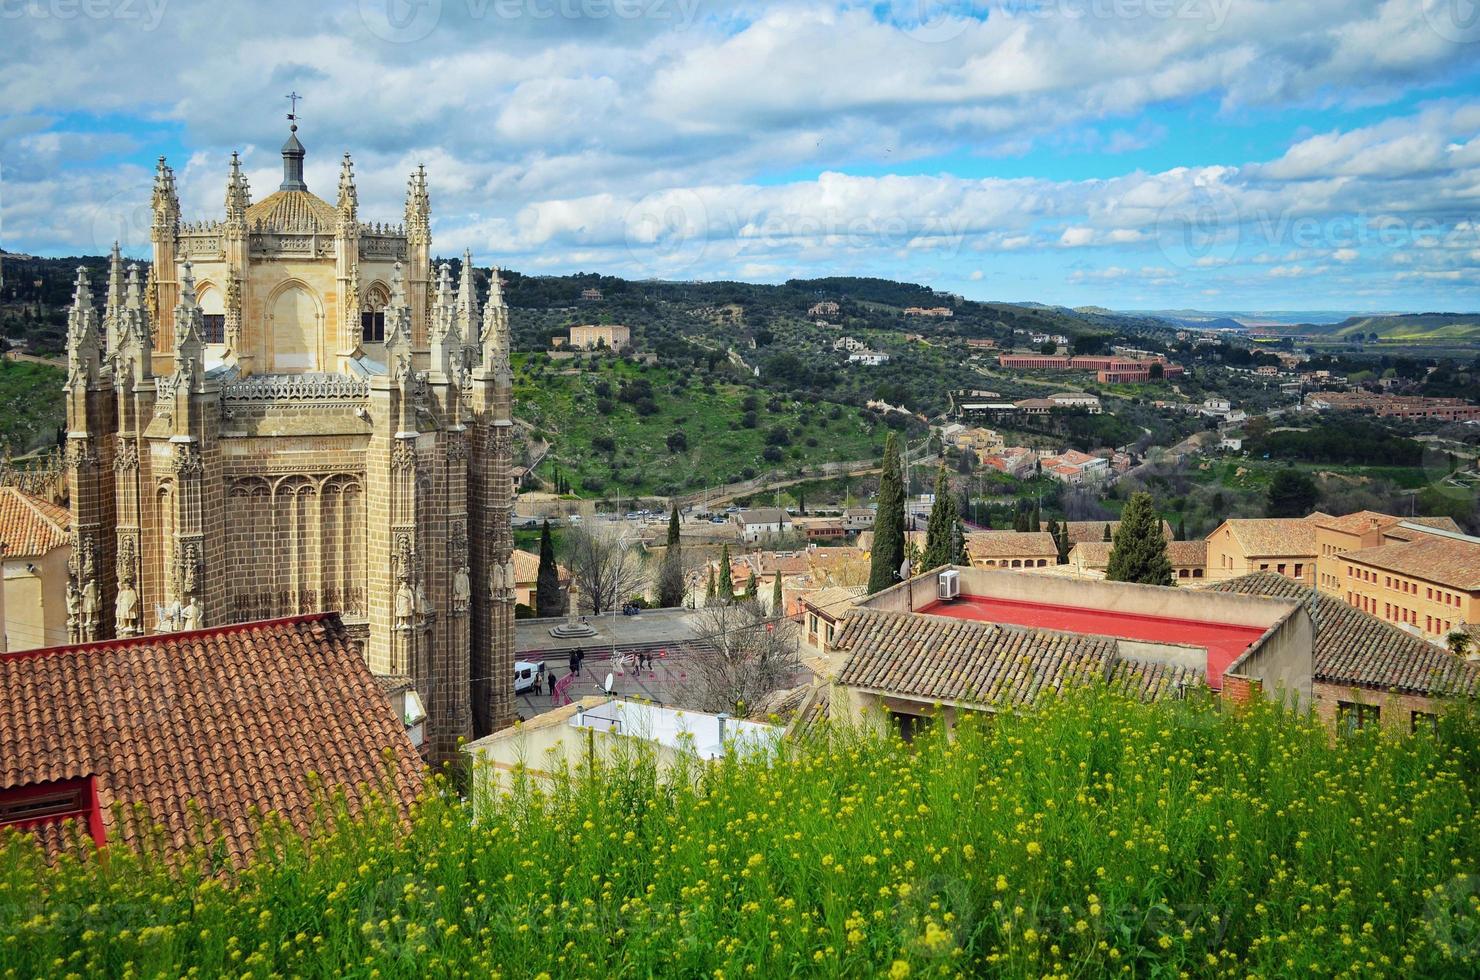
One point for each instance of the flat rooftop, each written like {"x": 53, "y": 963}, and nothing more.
{"x": 1224, "y": 642}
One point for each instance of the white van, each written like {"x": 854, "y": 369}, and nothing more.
{"x": 528, "y": 675}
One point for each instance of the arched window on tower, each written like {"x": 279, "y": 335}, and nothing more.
{"x": 372, "y": 315}
{"x": 213, "y": 313}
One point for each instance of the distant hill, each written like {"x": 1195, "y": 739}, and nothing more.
{"x": 1411, "y": 327}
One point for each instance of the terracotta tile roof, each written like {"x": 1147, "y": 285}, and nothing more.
{"x": 1355, "y": 648}
{"x": 936, "y": 658}
{"x": 1452, "y": 562}
{"x": 1092, "y": 554}
{"x": 1370, "y": 520}
{"x": 30, "y": 526}
{"x": 1183, "y": 553}
{"x": 764, "y": 515}
{"x": 231, "y": 720}
{"x": 1095, "y": 530}
{"x": 527, "y": 567}
{"x": 1096, "y": 554}
{"x": 834, "y": 600}
{"x": 1010, "y": 544}
{"x": 1276, "y": 535}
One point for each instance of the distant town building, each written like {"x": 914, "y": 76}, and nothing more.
{"x": 1011, "y": 549}
{"x": 981, "y": 343}
{"x": 1393, "y": 406}
{"x": 1283, "y": 545}
{"x": 1075, "y": 468}
{"x": 932, "y": 311}
{"x": 760, "y": 522}
{"x": 591, "y": 336}
{"x": 1015, "y": 461}
{"x": 1428, "y": 585}
{"x": 849, "y": 344}
{"x": 1109, "y": 370}
{"x": 868, "y": 358}
{"x": 591, "y": 293}
{"x": 825, "y": 308}
{"x": 1077, "y": 399}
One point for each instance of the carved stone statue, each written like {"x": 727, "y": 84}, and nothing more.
{"x": 190, "y": 615}
{"x": 462, "y": 590}
{"x": 90, "y": 604}
{"x": 126, "y": 610}
{"x": 74, "y": 611}
{"x": 405, "y": 605}
{"x": 424, "y": 608}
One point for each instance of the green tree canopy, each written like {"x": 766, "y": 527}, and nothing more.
{"x": 1291, "y": 494}
{"x": 888, "y": 547}
{"x": 943, "y": 533}
{"x": 1139, "y": 553}
{"x": 547, "y": 598}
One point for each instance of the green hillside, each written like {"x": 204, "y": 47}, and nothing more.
{"x": 1409, "y": 327}
{"x": 31, "y": 405}
{"x": 621, "y": 427}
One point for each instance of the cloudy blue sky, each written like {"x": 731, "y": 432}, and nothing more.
{"x": 1219, "y": 154}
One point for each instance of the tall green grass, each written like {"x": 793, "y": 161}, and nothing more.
{"x": 1095, "y": 836}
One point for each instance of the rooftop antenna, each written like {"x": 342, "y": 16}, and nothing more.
{"x": 607, "y": 687}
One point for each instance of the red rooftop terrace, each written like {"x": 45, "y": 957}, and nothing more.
{"x": 1256, "y": 637}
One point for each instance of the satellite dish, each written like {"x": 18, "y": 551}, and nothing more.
{"x": 904, "y": 570}
{"x": 607, "y": 687}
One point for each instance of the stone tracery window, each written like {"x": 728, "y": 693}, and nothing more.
{"x": 372, "y": 315}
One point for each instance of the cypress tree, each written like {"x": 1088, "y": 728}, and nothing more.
{"x": 776, "y": 595}
{"x": 1107, "y": 533}
{"x": 752, "y": 588}
{"x": 1182, "y": 528}
{"x": 942, "y": 528}
{"x": 670, "y": 578}
{"x": 673, "y": 527}
{"x": 888, "y": 549}
{"x": 1037, "y": 520}
{"x": 547, "y": 598}
{"x": 1140, "y": 550}
{"x": 726, "y": 587}
{"x": 709, "y": 589}
{"x": 1062, "y": 540}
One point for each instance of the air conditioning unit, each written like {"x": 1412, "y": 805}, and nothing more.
{"x": 949, "y": 585}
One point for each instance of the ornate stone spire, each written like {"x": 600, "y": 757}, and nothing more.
{"x": 444, "y": 336}
{"x": 84, "y": 355}
{"x": 397, "y": 323}
{"x": 496, "y": 340}
{"x": 151, "y": 295}
{"x": 418, "y": 209}
{"x": 238, "y": 194}
{"x": 349, "y": 198}
{"x": 113, "y": 301}
{"x": 165, "y": 203}
{"x": 189, "y": 330}
{"x": 352, "y": 325}
{"x": 132, "y": 357}
{"x": 467, "y": 304}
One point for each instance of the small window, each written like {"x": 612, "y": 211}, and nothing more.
{"x": 47, "y": 803}
{"x": 1353, "y": 717}
{"x": 215, "y": 328}
{"x": 1280, "y": 568}
{"x": 1423, "y": 721}
{"x": 372, "y": 327}
{"x": 1299, "y": 571}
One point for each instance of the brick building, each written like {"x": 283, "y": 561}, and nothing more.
{"x": 612, "y": 336}
{"x": 337, "y": 437}
{"x": 1364, "y": 671}
{"x": 1429, "y": 585}
{"x": 1283, "y": 545}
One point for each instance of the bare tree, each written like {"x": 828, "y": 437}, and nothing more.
{"x": 606, "y": 569}
{"x": 752, "y": 655}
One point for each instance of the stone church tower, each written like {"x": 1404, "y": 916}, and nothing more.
{"x": 295, "y": 413}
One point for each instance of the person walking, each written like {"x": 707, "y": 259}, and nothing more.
{"x": 575, "y": 663}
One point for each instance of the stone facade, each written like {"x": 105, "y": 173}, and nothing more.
{"x": 290, "y": 415}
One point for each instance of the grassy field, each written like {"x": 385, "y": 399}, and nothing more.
{"x": 566, "y": 403}
{"x": 31, "y": 405}
{"x": 1094, "y": 837}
